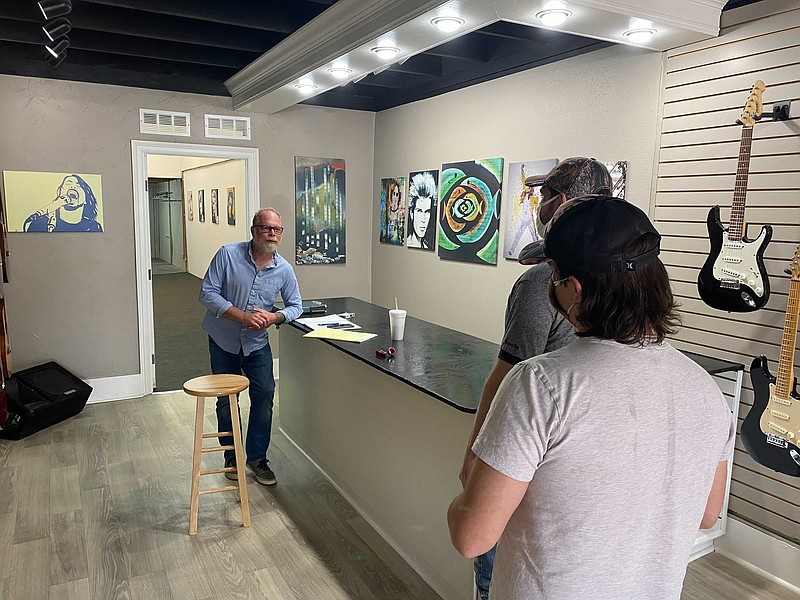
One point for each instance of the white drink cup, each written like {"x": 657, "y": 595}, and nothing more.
{"x": 397, "y": 323}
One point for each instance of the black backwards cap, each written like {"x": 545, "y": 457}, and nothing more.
{"x": 594, "y": 235}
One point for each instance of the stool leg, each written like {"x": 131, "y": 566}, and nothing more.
{"x": 198, "y": 451}
{"x": 240, "y": 459}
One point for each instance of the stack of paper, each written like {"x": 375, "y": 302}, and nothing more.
{"x": 340, "y": 335}
{"x": 327, "y": 321}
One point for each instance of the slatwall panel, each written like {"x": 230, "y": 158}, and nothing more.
{"x": 705, "y": 87}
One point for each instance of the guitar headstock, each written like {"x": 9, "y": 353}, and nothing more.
{"x": 754, "y": 106}
{"x": 794, "y": 267}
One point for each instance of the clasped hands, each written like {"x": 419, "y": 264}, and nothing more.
{"x": 259, "y": 319}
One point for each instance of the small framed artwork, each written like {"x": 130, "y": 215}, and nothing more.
{"x": 231, "y": 206}
{"x": 215, "y": 205}
{"x": 201, "y": 206}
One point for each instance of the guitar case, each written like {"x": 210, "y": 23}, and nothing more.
{"x": 40, "y": 397}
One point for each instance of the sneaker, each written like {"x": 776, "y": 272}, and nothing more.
{"x": 231, "y": 462}
{"x": 262, "y": 472}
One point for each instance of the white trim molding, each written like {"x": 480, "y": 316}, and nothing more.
{"x": 106, "y": 389}
{"x": 765, "y": 554}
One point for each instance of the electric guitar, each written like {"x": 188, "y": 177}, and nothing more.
{"x": 771, "y": 429}
{"x": 733, "y": 277}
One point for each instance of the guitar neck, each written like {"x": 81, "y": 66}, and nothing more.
{"x": 736, "y": 229}
{"x": 784, "y": 382}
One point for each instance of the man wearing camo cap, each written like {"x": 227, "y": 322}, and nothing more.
{"x": 532, "y": 325}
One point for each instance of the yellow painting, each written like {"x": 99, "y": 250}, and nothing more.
{"x": 53, "y": 202}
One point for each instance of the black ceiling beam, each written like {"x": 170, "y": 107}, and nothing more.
{"x": 393, "y": 79}
{"x": 338, "y": 99}
{"x": 421, "y": 64}
{"x": 467, "y": 47}
{"x": 515, "y": 31}
{"x": 277, "y": 16}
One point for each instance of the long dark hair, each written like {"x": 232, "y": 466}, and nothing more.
{"x": 634, "y": 307}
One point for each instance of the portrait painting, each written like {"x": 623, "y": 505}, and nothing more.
{"x": 189, "y": 206}
{"x": 619, "y": 173}
{"x": 201, "y": 206}
{"x": 231, "y": 206}
{"x": 523, "y": 192}
{"x": 319, "y": 210}
{"x": 214, "y": 205}
{"x": 53, "y": 202}
{"x": 423, "y": 199}
{"x": 469, "y": 210}
{"x": 393, "y": 211}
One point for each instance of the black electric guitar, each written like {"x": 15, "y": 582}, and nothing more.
{"x": 733, "y": 277}
{"x": 771, "y": 429}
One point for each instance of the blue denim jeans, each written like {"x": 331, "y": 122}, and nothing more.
{"x": 484, "y": 564}
{"x": 258, "y": 369}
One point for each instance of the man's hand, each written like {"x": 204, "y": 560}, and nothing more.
{"x": 257, "y": 320}
{"x": 467, "y": 466}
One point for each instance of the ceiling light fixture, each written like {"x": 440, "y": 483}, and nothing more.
{"x": 640, "y": 36}
{"x": 57, "y": 60}
{"x": 56, "y": 28}
{"x": 340, "y": 71}
{"x": 54, "y": 8}
{"x": 385, "y": 52}
{"x": 59, "y": 47}
{"x": 447, "y": 24}
{"x": 305, "y": 86}
{"x": 553, "y": 17}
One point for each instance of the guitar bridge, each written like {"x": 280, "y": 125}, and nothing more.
{"x": 729, "y": 284}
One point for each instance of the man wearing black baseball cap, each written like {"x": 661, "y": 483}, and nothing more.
{"x": 532, "y": 325}
{"x": 598, "y": 462}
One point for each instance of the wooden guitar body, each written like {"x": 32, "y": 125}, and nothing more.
{"x": 734, "y": 277}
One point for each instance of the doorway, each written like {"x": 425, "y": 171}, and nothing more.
{"x": 177, "y": 249}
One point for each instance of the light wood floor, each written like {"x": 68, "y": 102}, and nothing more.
{"x": 97, "y": 508}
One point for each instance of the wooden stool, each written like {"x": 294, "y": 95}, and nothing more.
{"x": 211, "y": 386}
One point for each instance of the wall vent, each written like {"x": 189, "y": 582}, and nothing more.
{"x": 163, "y": 122}
{"x": 219, "y": 126}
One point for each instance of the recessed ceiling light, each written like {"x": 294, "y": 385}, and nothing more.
{"x": 553, "y": 17}
{"x": 447, "y": 24}
{"x": 340, "y": 71}
{"x": 640, "y": 36}
{"x": 305, "y": 86}
{"x": 386, "y": 52}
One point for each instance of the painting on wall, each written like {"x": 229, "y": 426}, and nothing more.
{"x": 520, "y": 229}
{"x": 201, "y": 206}
{"x": 53, "y": 202}
{"x": 619, "y": 174}
{"x": 469, "y": 212}
{"x": 319, "y": 210}
{"x": 231, "y": 206}
{"x": 423, "y": 198}
{"x": 214, "y": 205}
{"x": 189, "y": 207}
{"x": 393, "y": 211}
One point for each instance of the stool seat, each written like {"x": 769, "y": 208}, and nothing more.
{"x": 207, "y": 386}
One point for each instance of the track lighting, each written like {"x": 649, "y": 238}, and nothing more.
{"x": 57, "y": 60}
{"x": 54, "y": 8}
{"x": 60, "y": 46}
{"x": 56, "y": 28}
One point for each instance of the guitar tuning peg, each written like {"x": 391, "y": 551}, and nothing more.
{"x": 787, "y": 271}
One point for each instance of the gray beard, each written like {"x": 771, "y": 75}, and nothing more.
{"x": 265, "y": 246}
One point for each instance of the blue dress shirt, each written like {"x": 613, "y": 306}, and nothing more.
{"x": 233, "y": 280}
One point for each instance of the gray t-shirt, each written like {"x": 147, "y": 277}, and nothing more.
{"x": 620, "y": 444}
{"x": 532, "y": 325}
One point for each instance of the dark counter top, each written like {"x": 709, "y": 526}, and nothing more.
{"x": 447, "y": 364}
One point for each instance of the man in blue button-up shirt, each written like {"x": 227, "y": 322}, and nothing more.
{"x": 239, "y": 290}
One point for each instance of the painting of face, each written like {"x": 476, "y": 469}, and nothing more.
{"x": 422, "y": 215}
{"x": 71, "y": 193}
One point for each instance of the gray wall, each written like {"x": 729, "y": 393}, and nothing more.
{"x": 603, "y": 104}
{"x": 72, "y": 297}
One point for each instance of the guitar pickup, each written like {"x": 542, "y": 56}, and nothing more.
{"x": 732, "y": 259}
{"x": 779, "y": 415}
{"x": 784, "y": 401}
{"x": 779, "y": 429}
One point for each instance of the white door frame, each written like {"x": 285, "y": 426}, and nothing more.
{"x": 141, "y": 214}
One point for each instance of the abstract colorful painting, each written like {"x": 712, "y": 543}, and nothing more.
{"x": 319, "y": 210}
{"x": 393, "y": 211}
{"x": 201, "y": 206}
{"x": 619, "y": 174}
{"x": 524, "y": 201}
{"x": 53, "y": 202}
{"x": 469, "y": 213}
{"x": 423, "y": 198}
{"x": 231, "y": 206}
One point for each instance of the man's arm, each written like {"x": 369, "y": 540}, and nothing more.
{"x": 493, "y": 381}
{"x": 478, "y": 517}
{"x": 292, "y": 302}
{"x": 211, "y": 295}
{"x": 716, "y": 497}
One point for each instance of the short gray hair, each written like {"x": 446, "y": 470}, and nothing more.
{"x": 263, "y": 210}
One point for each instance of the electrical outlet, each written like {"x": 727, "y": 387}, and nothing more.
{"x": 781, "y": 110}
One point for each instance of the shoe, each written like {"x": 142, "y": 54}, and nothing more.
{"x": 231, "y": 462}
{"x": 262, "y": 473}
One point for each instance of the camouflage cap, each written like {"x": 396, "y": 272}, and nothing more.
{"x": 579, "y": 176}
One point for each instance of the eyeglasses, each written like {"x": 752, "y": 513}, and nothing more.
{"x": 269, "y": 229}
{"x": 557, "y": 282}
